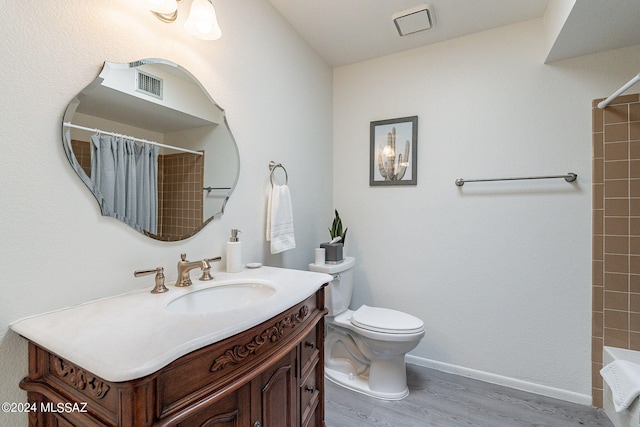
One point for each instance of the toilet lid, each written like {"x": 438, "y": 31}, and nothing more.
{"x": 386, "y": 320}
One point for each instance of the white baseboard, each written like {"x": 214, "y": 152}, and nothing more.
{"x": 557, "y": 393}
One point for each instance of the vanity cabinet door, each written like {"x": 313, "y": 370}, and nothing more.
{"x": 273, "y": 394}
{"x": 229, "y": 411}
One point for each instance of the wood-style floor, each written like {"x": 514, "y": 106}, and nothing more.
{"x": 443, "y": 400}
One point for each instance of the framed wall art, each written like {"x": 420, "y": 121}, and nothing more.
{"x": 394, "y": 152}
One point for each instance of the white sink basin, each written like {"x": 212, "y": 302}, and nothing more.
{"x": 221, "y": 298}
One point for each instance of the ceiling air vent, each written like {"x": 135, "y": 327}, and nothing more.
{"x": 413, "y": 20}
{"x": 151, "y": 85}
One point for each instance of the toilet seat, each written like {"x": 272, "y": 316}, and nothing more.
{"x": 386, "y": 321}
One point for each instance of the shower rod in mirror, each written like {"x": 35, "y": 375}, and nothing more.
{"x": 569, "y": 177}
{"x": 94, "y": 130}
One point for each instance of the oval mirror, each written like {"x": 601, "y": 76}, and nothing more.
{"x": 153, "y": 147}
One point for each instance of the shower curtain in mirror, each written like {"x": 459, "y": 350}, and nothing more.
{"x": 125, "y": 180}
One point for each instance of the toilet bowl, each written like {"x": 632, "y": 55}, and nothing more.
{"x": 365, "y": 348}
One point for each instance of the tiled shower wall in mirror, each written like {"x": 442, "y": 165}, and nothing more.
{"x": 180, "y": 194}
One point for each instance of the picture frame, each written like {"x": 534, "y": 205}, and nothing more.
{"x": 393, "y": 158}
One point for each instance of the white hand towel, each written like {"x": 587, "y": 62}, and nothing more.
{"x": 623, "y": 377}
{"x": 280, "y": 220}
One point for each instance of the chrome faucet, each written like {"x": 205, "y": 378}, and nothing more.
{"x": 184, "y": 267}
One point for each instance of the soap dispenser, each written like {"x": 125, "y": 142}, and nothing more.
{"x": 234, "y": 252}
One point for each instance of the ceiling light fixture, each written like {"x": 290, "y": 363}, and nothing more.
{"x": 164, "y": 10}
{"x": 413, "y": 20}
{"x": 201, "y": 23}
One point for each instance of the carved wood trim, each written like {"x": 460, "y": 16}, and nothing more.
{"x": 223, "y": 418}
{"x": 80, "y": 379}
{"x": 238, "y": 353}
{"x": 33, "y": 418}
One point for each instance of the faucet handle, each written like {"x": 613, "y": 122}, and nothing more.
{"x": 183, "y": 257}
{"x": 160, "y": 287}
{"x": 206, "y": 275}
{"x": 206, "y": 267}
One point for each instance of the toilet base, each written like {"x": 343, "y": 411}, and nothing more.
{"x": 360, "y": 384}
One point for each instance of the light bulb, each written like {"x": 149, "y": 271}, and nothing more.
{"x": 202, "y": 22}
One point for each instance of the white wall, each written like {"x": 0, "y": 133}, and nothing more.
{"x": 499, "y": 272}
{"x": 56, "y": 249}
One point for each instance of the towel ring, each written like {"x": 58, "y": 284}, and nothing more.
{"x": 272, "y": 167}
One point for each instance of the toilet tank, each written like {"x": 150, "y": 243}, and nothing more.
{"x": 338, "y": 293}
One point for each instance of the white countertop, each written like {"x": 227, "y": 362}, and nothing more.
{"x": 128, "y": 336}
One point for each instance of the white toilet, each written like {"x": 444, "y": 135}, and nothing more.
{"x": 365, "y": 348}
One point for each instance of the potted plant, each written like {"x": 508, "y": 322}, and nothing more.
{"x": 336, "y": 228}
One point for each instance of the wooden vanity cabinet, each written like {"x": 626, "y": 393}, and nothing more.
{"x": 268, "y": 376}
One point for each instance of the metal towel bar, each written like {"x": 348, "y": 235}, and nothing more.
{"x": 210, "y": 189}
{"x": 569, "y": 177}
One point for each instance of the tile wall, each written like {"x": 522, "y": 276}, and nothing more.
{"x": 180, "y": 195}
{"x": 82, "y": 151}
{"x": 616, "y": 230}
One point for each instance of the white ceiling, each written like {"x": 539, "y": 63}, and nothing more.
{"x": 596, "y": 26}
{"x": 349, "y": 31}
